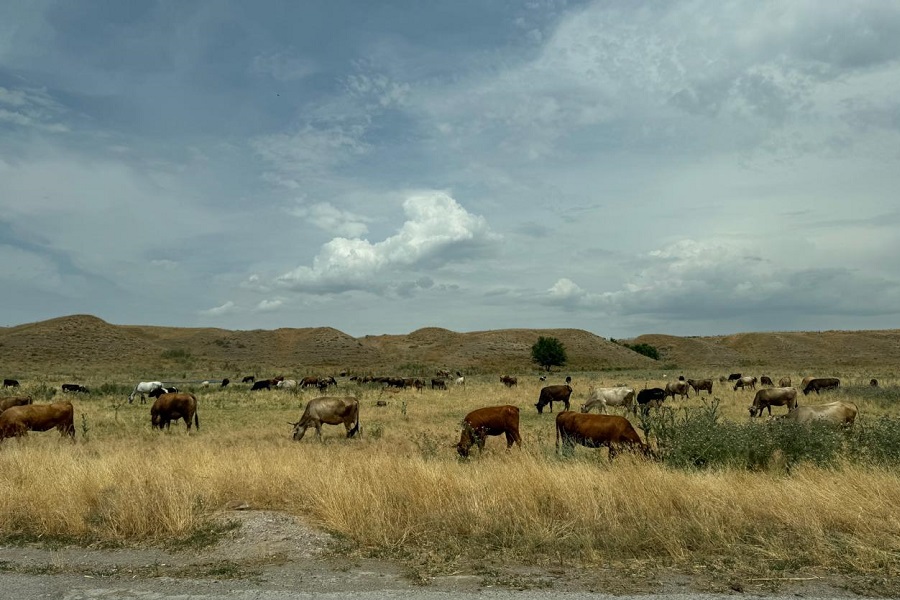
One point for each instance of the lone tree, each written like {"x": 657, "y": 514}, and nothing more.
{"x": 548, "y": 352}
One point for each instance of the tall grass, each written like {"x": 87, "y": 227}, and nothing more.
{"x": 400, "y": 489}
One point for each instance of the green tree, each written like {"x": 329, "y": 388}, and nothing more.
{"x": 548, "y": 352}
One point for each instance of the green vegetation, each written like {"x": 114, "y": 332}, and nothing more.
{"x": 548, "y": 352}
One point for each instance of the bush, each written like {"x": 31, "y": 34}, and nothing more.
{"x": 645, "y": 349}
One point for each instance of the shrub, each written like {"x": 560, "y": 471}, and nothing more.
{"x": 548, "y": 352}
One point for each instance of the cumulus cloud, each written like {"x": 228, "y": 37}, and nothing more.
{"x": 219, "y": 311}
{"x": 269, "y": 305}
{"x": 437, "y": 230}
{"x": 329, "y": 218}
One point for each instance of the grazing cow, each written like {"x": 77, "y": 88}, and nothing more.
{"x": 839, "y": 413}
{"x": 603, "y": 397}
{"x": 263, "y": 384}
{"x": 678, "y": 387}
{"x": 784, "y": 382}
{"x": 309, "y": 382}
{"x": 332, "y": 411}
{"x": 204, "y": 384}
{"x": 11, "y": 401}
{"x": 412, "y": 382}
{"x": 173, "y": 406}
{"x": 765, "y": 380}
{"x": 821, "y": 383}
{"x": 745, "y": 382}
{"x": 594, "y": 431}
{"x": 650, "y": 397}
{"x": 10, "y": 383}
{"x": 287, "y": 384}
{"x": 490, "y": 420}
{"x": 460, "y": 380}
{"x": 701, "y": 385}
{"x": 443, "y": 373}
{"x": 225, "y": 382}
{"x": 554, "y": 393}
{"x": 19, "y": 420}
{"x": 438, "y": 384}
{"x": 734, "y": 377}
{"x": 248, "y": 379}
{"x": 74, "y": 387}
{"x": 766, "y": 398}
{"x": 873, "y": 382}
{"x": 806, "y": 381}
{"x": 144, "y": 387}
{"x": 509, "y": 381}
{"x": 543, "y": 378}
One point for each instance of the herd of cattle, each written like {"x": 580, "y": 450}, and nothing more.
{"x": 18, "y": 415}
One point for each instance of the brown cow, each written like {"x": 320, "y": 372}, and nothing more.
{"x": 839, "y": 413}
{"x": 509, "y": 381}
{"x": 745, "y": 382}
{"x": 19, "y": 420}
{"x": 438, "y": 384}
{"x": 14, "y": 401}
{"x": 330, "y": 410}
{"x": 784, "y": 382}
{"x": 554, "y": 393}
{"x": 766, "y": 398}
{"x": 821, "y": 383}
{"x": 766, "y": 380}
{"x": 594, "y": 431}
{"x": 173, "y": 406}
{"x": 490, "y": 420}
{"x": 678, "y": 387}
{"x": 700, "y": 385}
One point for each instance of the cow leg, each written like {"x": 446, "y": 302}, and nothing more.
{"x": 612, "y": 451}
{"x": 566, "y": 404}
{"x": 318, "y": 426}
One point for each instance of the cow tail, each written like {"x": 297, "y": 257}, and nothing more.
{"x": 355, "y": 429}
{"x": 197, "y": 419}
{"x": 557, "y": 438}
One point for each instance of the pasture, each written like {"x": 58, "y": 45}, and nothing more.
{"x": 399, "y": 489}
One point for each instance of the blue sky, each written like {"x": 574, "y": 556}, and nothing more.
{"x": 622, "y": 167}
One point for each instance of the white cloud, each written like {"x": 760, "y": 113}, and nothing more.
{"x": 437, "y": 231}
{"x": 269, "y": 305}
{"x": 219, "y": 311}
{"x": 329, "y": 218}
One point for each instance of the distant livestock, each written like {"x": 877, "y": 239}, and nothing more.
{"x": 821, "y": 383}
{"x": 74, "y": 387}
{"x": 19, "y": 420}
{"x": 601, "y": 398}
{"x": 766, "y": 398}
{"x": 144, "y": 387}
{"x": 10, "y": 383}
{"x": 554, "y": 393}
{"x": 332, "y": 411}
{"x": 594, "y": 431}
{"x": 11, "y": 401}
{"x": 173, "y": 406}
{"x": 650, "y": 397}
{"x": 263, "y": 384}
{"x": 701, "y": 385}
{"x": 248, "y": 379}
{"x": 873, "y": 383}
{"x": 734, "y": 377}
{"x": 163, "y": 390}
{"x": 225, "y": 382}
{"x": 839, "y": 413}
{"x": 745, "y": 382}
{"x": 784, "y": 382}
{"x": 438, "y": 384}
{"x": 490, "y": 420}
{"x": 678, "y": 387}
{"x": 766, "y": 380}
{"x": 509, "y": 381}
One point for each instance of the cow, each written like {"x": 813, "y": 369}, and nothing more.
{"x": 443, "y": 373}
{"x": 745, "y": 382}
{"x": 784, "y": 382}
{"x": 490, "y": 420}
{"x": 262, "y": 384}
{"x": 163, "y": 390}
{"x": 11, "y": 401}
{"x": 551, "y": 394}
{"x": 330, "y": 410}
{"x": 594, "y": 431}
{"x": 460, "y": 380}
{"x": 509, "y": 381}
{"x": 204, "y": 384}
{"x": 806, "y": 381}
{"x": 287, "y": 384}
{"x": 412, "y": 382}
{"x": 438, "y": 384}
{"x": 678, "y": 387}
{"x": 309, "y": 382}
{"x": 839, "y": 413}
{"x": 651, "y": 396}
{"x": 873, "y": 382}
{"x": 173, "y": 406}
{"x": 766, "y": 398}
{"x": 225, "y": 382}
{"x": 734, "y": 377}
{"x": 766, "y": 380}
{"x": 701, "y": 385}
{"x": 248, "y": 379}
{"x": 144, "y": 387}
{"x": 19, "y": 420}
{"x": 10, "y": 383}
{"x": 74, "y": 387}
{"x": 821, "y": 383}
{"x": 603, "y": 397}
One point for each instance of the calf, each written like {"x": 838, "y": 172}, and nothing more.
{"x": 766, "y": 380}
{"x": 248, "y": 379}
{"x": 509, "y": 381}
{"x": 594, "y": 431}
{"x": 490, "y": 420}
{"x": 19, "y": 420}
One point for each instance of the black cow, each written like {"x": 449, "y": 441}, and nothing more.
{"x": 74, "y": 387}
{"x": 10, "y": 383}
{"x": 554, "y": 393}
{"x": 248, "y": 379}
{"x": 262, "y": 384}
{"x": 734, "y": 377}
{"x": 822, "y": 383}
{"x": 225, "y": 382}
{"x": 655, "y": 396}
{"x": 162, "y": 390}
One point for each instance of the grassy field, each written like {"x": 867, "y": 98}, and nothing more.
{"x": 399, "y": 490}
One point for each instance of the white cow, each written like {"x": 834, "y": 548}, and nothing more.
{"x": 287, "y": 384}
{"x": 600, "y": 398}
{"x": 144, "y": 387}
{"x": 840, "y": 413}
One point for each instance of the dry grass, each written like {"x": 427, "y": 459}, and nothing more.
{"x": 400, "y": 489}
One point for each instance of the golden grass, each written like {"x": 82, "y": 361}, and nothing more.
{"x": 400, "y": 489}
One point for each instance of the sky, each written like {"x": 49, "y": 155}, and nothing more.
{"x": 686, "y": 167}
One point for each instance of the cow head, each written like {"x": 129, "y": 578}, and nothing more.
{"x": 467, "y": 438}
{"x": 754, "y": 412}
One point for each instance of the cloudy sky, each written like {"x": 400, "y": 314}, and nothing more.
{"x": 622, "y": 167}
